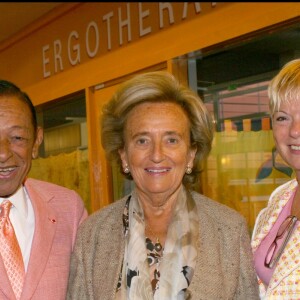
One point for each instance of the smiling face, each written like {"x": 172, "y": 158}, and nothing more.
{"x": 17, "y": 143}
{"x": 157, "y": 148}
{"x": 286, "y": 131}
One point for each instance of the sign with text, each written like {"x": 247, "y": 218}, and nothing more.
{"x": 97, "y": 28}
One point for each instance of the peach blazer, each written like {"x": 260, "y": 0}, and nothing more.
{"x": 58, "y": 213}
{"x": 285, "y": 282}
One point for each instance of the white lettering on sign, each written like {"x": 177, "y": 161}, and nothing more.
{"x": 46, "y": 61}
{"x": 165, "y": 6}
{"x": 143, "y": 14}
{"x": 53, "y": 54}
{"x": 57, "y": 56}
{"x": 92, "y": 53}
{"x": 107, "y": 18}
{"x": 73, "y": 49}
{"x": 185, "y": 8}
{"x": 124, "y": 23}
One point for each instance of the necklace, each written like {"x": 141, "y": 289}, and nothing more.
{"x": 154, "y": 257}
{"x": 157, "y": 245}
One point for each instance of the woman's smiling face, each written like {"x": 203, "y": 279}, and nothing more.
{"x": 157, "y": 147}
{"x": 286, "y": 131}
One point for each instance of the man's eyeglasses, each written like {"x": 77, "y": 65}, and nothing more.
{"x": 286, "y": 228}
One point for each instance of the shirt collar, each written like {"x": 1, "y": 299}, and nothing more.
{"x": 18, "y": 199}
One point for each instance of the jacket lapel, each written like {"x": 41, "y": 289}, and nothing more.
{"x": 208, "y": 247}
{"x": 270, "y": 214}
{"x": 288, "y": 262}
{"x": 45, "y": 227}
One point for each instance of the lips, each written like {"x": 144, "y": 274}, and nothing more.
{"x": 294, "y": 147}
{"x": 158, "y": 171}
{"x": 6, "y": 171}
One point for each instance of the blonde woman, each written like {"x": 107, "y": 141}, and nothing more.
{"x": 276, "y": 236}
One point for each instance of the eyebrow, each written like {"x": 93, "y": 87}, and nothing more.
{"x": 280, "y": 111}
{"x": 148, "y": 133}
{"x": 19, "y": 127}
{"x": 140, "y": 133}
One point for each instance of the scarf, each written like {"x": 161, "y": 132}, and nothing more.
{"x": 176, "y": 267}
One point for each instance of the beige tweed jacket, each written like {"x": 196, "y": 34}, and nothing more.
{"x": 285, "y": 282}
{"x": 224, "y": 268}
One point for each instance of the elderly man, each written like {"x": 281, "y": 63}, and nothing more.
{"x": 38, "y": 220}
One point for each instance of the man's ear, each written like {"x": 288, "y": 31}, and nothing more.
{"x": 37, "y": 142}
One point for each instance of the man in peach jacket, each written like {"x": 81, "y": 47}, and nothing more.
{"x": 45, "y": 217}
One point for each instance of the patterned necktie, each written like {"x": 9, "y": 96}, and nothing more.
{"x": 10, "y": 250}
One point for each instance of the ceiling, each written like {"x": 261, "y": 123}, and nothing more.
{"x": 14, "y": 16}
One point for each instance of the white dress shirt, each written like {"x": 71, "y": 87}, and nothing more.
{"x": 22, "y": 218}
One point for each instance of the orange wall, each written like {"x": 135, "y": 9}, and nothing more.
{"x": 21, "y": 57}
{"x": 52, "y": 46}
{"x": 21, "y": 60}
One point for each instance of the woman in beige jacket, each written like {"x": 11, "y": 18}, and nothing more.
{"x": 162, "y": 241}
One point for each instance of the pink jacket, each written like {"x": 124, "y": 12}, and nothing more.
{"x": 58, "y": 213}
{"x": 284, "y": 283}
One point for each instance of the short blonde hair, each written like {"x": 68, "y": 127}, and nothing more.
{"x": 285, "y": 86}
{"x": 157, "y": 86}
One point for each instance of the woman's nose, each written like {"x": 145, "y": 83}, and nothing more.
{"x": 157, "y": 152}
{"x": 5, "y": 150}
{"x": 295, "y": 129}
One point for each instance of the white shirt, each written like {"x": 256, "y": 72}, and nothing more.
{"x": 22, "y": 218}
